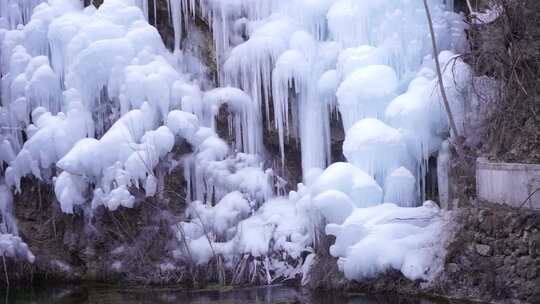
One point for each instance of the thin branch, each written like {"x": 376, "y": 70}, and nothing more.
{"x": 528, "y": 198}
{"x": 439, "y": 73}
{"x": 471, "y": 11}
{"x": 5, "y": 270}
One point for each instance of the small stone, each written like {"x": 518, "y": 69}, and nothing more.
{"x": 452, "y": 267}
{"x": 483, "y": 250}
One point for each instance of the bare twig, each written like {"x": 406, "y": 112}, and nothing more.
{"x": 528, "y": 198}
{"x": 471, "y": 11}
{"x": 439, "y": 73}
{"x": 5, "y": 270}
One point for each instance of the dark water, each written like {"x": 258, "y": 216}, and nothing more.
{"x": 135, "y": 295}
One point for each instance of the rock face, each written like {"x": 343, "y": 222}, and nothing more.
{"x": 495, "y": 256}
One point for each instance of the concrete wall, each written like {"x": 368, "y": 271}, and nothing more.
{"x": 508, "y": 183}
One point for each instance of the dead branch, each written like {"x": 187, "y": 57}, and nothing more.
{"x": 440, "y": 78}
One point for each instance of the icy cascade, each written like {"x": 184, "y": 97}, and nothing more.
{"x": 92, "y": 100}
{"x": 371, "y": 62}
{"x": 15, "y": 12}
{"x": 302, "y": 60}
{"x": 365, "y": 60}
{"x": 370, "y": 237}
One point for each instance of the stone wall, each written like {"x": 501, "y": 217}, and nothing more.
{"x": 495, "y": 256}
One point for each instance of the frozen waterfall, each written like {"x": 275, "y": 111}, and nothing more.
{"x": 93, "y": 103}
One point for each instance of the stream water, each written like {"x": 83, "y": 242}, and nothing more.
{"x": 83, "y": 294}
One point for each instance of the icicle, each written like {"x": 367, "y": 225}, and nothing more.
{"x": 400, "y": 188}
{"x": 143, "y": 5}
{"x": 366, "y": 93}
{"x": 176, "y": 15}
{"x": 17, "y": 12}
{"x": 375, "y": 148}
{"x": 292, "y": 71}
{"x": 247, "y": 129}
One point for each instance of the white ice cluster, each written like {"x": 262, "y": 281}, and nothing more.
{"x": 371, "y": 62}
{"x": 387, "y": 236}
{"x": 13, "y": 247}
{"x": 273, "y": 236}
{"x": 302, "y": 60}
{"x": 94, "y": 97}
{"x": 92, "y": 100}
{"x": 370, "y": 237}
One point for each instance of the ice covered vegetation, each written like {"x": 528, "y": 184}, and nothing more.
{"x": 95, "y": 105}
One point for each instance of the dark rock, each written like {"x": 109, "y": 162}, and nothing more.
{"x": 494, "y": 256}
{"x": 452, "y": 268}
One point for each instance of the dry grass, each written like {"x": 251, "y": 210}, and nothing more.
{"x": 509, "y": 50}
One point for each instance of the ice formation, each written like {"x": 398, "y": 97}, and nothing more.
{"x": 11, "y": 245}
{"x": 118, "y": 109}
{"x": 94, "y": 103}
{"x": 351, "y": 180}
{"x": 375, "y": 147}
{"x": 400, "y": 188}
{"x": 389, "y": 237}
{"x": 274, "y": 232}
{"x": 371, "y": 62}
